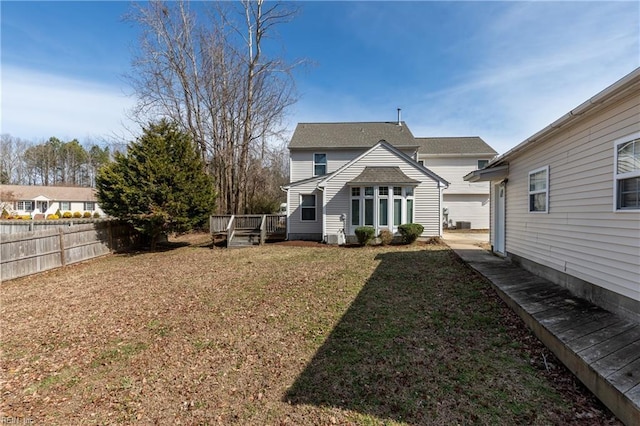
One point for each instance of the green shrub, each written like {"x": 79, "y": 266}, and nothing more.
{"x": 365, "y": 234}
{"x": 58, "y": 213}
{"x": 386, "y": 237}
{"x": 67, "y": 215}
{"x": 87, "y": 215}
{"x": 410, "y": 232}
{"x": 96, "y": 215}
{"x": 5, "y": 214}
{"x": 77, "y": 215}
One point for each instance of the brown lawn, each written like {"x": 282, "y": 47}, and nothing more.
{"x": 276, "y": 335}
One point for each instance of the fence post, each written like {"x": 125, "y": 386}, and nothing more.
{"x": 110, "y": 234}
{"x": 61, "y": 237}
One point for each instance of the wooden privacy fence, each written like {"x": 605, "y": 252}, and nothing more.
{"x": 15, "y": 226}
{"x": 27, "y": 253}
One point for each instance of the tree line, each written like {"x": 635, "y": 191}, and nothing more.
{"x": 53, "y": 162}
{"x": 208, "y": 69}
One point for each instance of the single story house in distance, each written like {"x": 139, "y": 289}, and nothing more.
{"x": 565, "y": 203}
{"x": 346, "y": 175}
{"x": 44, "y": 200}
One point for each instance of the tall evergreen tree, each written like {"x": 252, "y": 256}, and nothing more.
{"x": 159, "y": 185}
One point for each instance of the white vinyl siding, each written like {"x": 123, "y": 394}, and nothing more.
{"x": 302, "y": 165}
{"x": 472, "y": 208}
{"x": 427, "y": 202}
{"x": 466, "y": 201}
{"x": 581, "y": 235}
{"x": 453, "y": 169}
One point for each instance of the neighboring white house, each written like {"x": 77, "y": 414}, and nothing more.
{"x": 44, "y": 200}
{"x": 346, "y": 175}
{"x": 453, "y": 158}
{"x": 565, "y": 202}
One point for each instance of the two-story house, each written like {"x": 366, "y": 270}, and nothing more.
{"x": 346, "y": 175}
{"x": 453, "y": 158}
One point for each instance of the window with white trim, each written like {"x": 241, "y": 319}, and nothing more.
{"x": 26, "y": 206}
{"x": 368, "y": 206}
{"x": 319, "y": 164}
{"x": 89, "y": 206}
{"x": 539, "y": 190}
{"x": 308, "y": 207}
{"x": 65, "y": 205}
{"x": 381, "y": 206}
{"x": 627, "y": 175}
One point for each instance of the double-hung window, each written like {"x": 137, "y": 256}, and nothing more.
{"x": 26, "y": 206}
{"x": 319, "y": 164}
{"x": 89, "y": 206}
{"x": 65, "y": 205}
{"x": 539, "y": 190}
{"x": 627, "y": 175}
{"x": 308, "y": 207}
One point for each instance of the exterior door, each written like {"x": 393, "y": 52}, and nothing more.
{"x": 43, "y": 206}
{"x": 499, "y": 220}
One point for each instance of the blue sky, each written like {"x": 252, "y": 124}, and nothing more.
{"x": 498, "y": 70}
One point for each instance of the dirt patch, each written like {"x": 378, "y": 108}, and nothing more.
{"x": 277, "y": 334}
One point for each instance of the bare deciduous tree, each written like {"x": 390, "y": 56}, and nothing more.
{"x": 210, "y": 73}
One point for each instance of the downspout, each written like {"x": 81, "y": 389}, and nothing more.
{"x": 324, "y": 215}
{"x": 288, "y": 204}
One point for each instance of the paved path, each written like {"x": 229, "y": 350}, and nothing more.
{"x": 599, "y": 347}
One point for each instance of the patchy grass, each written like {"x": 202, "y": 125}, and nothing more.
{"x": 276, "y": 335}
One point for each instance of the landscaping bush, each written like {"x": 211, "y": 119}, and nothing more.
{"x": 365, "y": 234}
{"x": 96, "y": 215}
{"x": 87, "y": 215}
{"x": 52, "y": 217}
{"x": 58, "y": 213}
{"x": 67, "y": 215}
{"x": 77, "y": 215}
{"x": 386, "y": 237}
{"x": 24, "y": 217}
{"x": 410, "y": 232}
{"x": 5, "y": 214}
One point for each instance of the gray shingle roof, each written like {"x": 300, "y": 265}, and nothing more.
{"x": 55, "y": 193}
{"x": 375, "y": 175}
{"x": 350, "y": 135}
{"x": 453, "y": 145}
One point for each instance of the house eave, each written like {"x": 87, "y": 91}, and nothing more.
{"x": 488, "y": 174}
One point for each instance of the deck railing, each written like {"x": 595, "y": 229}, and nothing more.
{"x": 268, "y": 225}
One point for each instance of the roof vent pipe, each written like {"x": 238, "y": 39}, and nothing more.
{"x": 399, "y": 117}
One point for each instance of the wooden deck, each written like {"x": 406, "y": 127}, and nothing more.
{"x": 248, "y": 230}
{"x": 602, "y": 349}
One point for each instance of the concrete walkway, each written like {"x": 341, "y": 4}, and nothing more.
{"x": 599, "y": 347}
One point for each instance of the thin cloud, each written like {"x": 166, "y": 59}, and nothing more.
{"x": 37, "y": 105}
